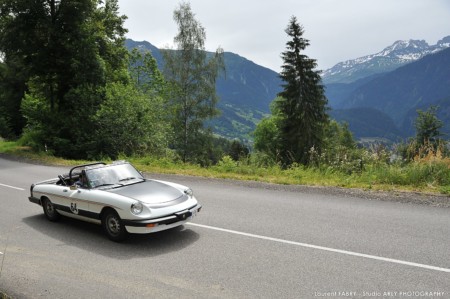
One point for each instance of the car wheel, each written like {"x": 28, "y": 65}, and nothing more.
{"x": 113, "y": 226}
{"x": 49, "y": 210}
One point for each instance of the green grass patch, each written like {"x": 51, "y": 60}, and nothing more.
{"x": 13, "y": 148}
{"x": 9, "y": 147}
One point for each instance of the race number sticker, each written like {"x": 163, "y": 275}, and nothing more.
{"x": 73, "y": 208}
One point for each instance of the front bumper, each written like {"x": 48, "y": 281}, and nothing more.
{"x": 159, "y": 224}
{"x": 35, "y": 200}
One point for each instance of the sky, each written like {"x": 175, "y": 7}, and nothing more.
{"x": 338, "y": 30}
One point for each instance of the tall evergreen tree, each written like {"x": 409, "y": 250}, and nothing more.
{"x": 192, "y": 76}
{"x": 303, "y": 109}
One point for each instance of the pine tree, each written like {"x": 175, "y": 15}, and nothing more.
{"x": 303, "y": 108}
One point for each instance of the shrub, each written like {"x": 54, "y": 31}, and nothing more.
{"x": 227, "y": 164}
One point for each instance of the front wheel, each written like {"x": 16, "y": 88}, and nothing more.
{"x": 49, "y": 210}
{"x": 113, "y": 226}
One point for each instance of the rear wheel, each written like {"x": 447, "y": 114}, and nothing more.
{"x": 113, "y": 226}
{"x": 49, "y": 210}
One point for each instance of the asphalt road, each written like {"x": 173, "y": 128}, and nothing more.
{"x": 250, "y": 241}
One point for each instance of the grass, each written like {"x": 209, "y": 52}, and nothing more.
{"x": 426, "y": 175}
{"x": 14, "y": 149}
{"x": 4, "y": 296}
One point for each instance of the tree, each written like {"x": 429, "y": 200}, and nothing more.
{"x": 145, "y": 74}
{"x": 338, "y": 135}
{"x": 12, "y": 89}
{"x": 428, "y": 126}
{"x": 267, "y": 133}
{"x": 339, "y": 149}
{"x": 70, "y": 50}
{"x": 304, "y": 105}
{"x": 238, "y": 150}
{"x": 191, "y": 75}
{"x": 129, "y": 122}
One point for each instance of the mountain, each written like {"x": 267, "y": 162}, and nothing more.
{"x": 443, "y": 114}
{"x": 399, "y": 93}
{"x": 245, "y": 92}
{"x": 367, "y": 122}
{"x": 145, "y": 46}
{"x": 398, "y": 54}
{"x": 338, "y": 93}
{"x": 421, "y": 83}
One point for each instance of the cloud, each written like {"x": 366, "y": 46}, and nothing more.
{"x": 337, "y": 30}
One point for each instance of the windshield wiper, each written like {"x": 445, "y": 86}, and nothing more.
{"x": 128, "y": 179}
{"x": 103, "y": 185}
{"x": 131, "y": 178}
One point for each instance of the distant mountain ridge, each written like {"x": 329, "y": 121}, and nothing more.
{"x": 390, "y": 58}
{"x": 422, "y": 83}
{"x": 397, "y": 95}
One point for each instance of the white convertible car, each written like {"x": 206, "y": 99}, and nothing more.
{"x": 116, "y": 196}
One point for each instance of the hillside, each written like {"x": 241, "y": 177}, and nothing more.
{"x": 338, "y": 93}
{"x": 245, "y": 92}
{"x": 368, "y": 122}
{"x": 443, "y": 114}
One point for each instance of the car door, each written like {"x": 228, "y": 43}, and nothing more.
{"x": 79, "y": 201}
{"x": 72, "y": 200}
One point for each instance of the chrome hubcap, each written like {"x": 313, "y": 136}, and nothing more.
{"x": 114, "y": 225}
{"x": 49, "y": 207}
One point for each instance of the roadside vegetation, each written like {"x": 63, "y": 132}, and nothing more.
{"x": 4, "y": 296}
{"x": 84, "y": 97}
{"x": 373, "y": 170}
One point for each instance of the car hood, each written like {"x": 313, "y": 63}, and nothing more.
{"x": 150, "y": 192}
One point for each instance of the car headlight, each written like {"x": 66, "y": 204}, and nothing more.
{"x": 137, "y": 207}
{"x": 189, "y": 192}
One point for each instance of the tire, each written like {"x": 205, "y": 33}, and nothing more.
{"x": 49, "y": 210}
{"x": 113, "y": 226}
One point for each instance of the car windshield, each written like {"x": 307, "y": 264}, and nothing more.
{"x": 113, "y": 175}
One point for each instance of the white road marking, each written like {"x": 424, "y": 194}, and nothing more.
{"x": 12, "y": 187}
{"x": 367, "y": 256}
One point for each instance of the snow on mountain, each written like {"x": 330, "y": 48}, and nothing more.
{"x": 444, "y": 43}
{"x": 390, "y": 58}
